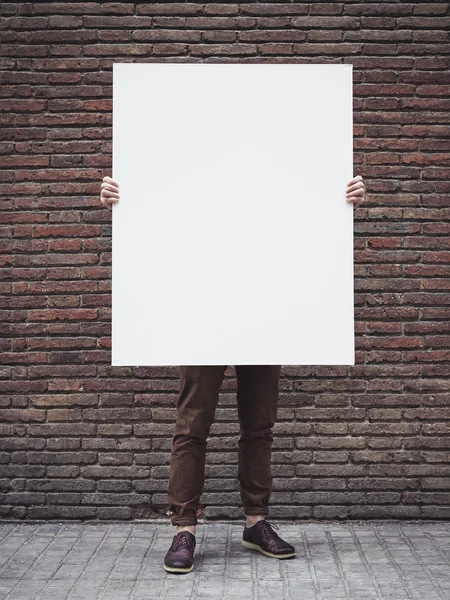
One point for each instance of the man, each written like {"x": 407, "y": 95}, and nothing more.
{"x": 257, "y": 399}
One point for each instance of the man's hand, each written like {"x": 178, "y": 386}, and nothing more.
{"x": 356, "y": 191}
{"x": 110, "y": 192}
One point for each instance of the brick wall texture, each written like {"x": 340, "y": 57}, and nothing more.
{"x": 80, "y": 439}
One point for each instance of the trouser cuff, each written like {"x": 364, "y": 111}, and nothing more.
{"x": 183, "y": 521}
{"x": 256, "y": 510}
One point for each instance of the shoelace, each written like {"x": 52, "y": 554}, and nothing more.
{"x": 267, "y": 529}
{"x": 182, "y": 539}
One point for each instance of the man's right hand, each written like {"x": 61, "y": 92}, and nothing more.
{"x": 110, "y": 192}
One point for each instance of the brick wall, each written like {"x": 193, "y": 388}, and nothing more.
{"x": 79, "y": 439}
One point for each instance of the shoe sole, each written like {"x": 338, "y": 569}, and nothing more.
{"x": 178, "y": 569}
{"x": 256, "y": 547}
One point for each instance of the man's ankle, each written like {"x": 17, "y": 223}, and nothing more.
{"x": 191, "y": 528}
{"x": 252, "y": 519}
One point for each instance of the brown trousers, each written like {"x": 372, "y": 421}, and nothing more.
{"x": 257, "y": 399}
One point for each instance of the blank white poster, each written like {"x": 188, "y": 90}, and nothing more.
{"x": 232, "y": 239}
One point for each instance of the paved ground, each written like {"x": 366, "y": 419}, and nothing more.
{"x": 117, "y": 561}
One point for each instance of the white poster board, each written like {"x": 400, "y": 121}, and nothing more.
{"x": 232, "y": 239}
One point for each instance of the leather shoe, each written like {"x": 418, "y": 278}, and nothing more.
{"x": 262, "y": 537}
{"x": 180, "y": 557}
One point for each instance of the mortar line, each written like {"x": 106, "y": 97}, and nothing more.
{"x": 151, "y": 543}
{"x": 337, "y": 561}
{"x": 398, "y": 570}
{"x": 439, "y": 549}
{"x": 366, "y": 562}
{"x": 425, "y": 567}
{"x": 227, "y": 561}
{"x": 284, "y": 579}
{"x": 6, "y": 536}
{"x": 38, "y": 557}
{"x": 80, "y": 537}
{"x": 122, "y": 550}
{"x": 72, "y": 549}
{"x": 26, "y": 541}
{"x": 93, "y": 555}
{"x": 312, "y": 570}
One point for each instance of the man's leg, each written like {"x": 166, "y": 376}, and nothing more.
{"x": 199, "y": 394}
{"x": 257, "y": 398}
{"x": 197, "y": 401}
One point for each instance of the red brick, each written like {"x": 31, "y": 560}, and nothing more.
{"x": 344, "y": 434}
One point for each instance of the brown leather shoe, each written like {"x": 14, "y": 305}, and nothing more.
{"x": 180, "y": 557}
{"x": 262, "y": 537}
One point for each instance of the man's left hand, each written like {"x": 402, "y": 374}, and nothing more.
{"x": 356, "y": 191}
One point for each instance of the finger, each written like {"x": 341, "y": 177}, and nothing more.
{"x": 108, "y": 194}
{"x": 110, "y": 180}
{"x": 356, "y": 186}
{"x": 358, "y": 198}
{"x": 355, "y": 193}
{"x": 355, "y": 179}
{"x": 107, "y": 186}
{"x": 107, "y": 201}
